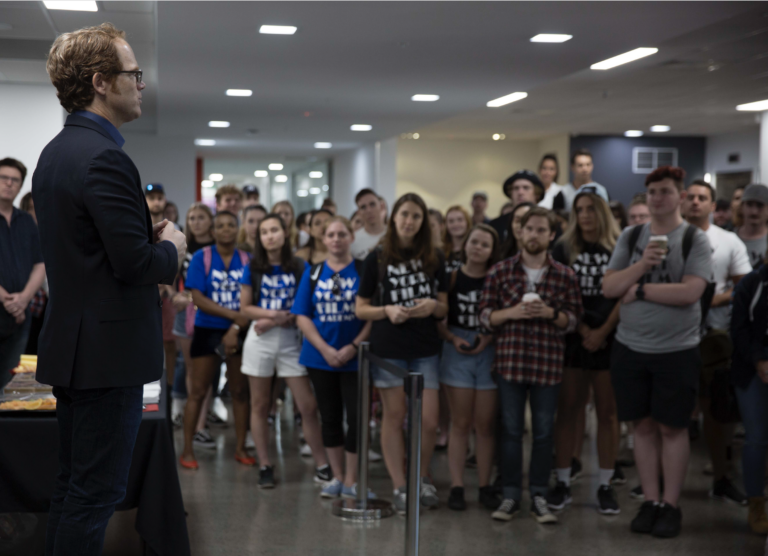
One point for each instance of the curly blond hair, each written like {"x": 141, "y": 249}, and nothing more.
{"x": 76, "y": 57}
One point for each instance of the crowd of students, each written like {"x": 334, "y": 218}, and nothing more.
{"x": 564, "y": 298}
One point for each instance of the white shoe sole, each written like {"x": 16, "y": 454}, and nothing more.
{"x": 504, "y": 516}
{"x": 567, "y": 502}
{"x": 603, "y": 511}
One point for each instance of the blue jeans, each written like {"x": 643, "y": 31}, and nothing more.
{"x": 11, "y": 348}
{"x": 753, "y": 404}
{"x": 512, "y": 397}
{"x": 97, "y": 432}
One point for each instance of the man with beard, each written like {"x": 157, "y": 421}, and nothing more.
{"x": 530, "y": 301}
{"x": 156, "y": 201}
{"x": 754, "y": 215}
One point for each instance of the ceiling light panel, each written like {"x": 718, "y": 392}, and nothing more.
{"x": 73, "y": 6}
{"x": 205, "y": 142}
{"x": 302, "y": 193}
{"x": 322, "y": 145}
{"x": 361, "y": 127}
{"x": 216, "y": 177}
{"x": 425, "y": 98}
{"x": 281, "y": 178}
{"x": 314, "y": 190}
{"x": 206, "y": 183}
{"x": 261, "y": 174}
{"x": 758, "y": 106}
{"x": 502, "y": 101}
{"x": 625, "y": 58}
{"x": 239, "y": 92}
{"x": 277, "y": 30}
{"x": 633, "y": 133}
{"x": 544, "y": 37}
{"x": 276, "y": 166}
{"x": 660, "y": 128}
{"x": 315, "y": 174}
{"x": 218, "y": 123}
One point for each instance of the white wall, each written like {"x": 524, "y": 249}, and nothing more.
{"x": 371, "y": 166}
{"x": 168, "y": 160}
{"x": 746, "y": 143}
{"x": 30, "y": 116}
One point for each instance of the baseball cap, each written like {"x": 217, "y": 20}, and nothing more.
{"x": 482, "y": 194}
{"x": 250, "y": 189}
{"x": 154, "y": 188}
{"x": 595, "y": 189}
{"x": 522, "y": 175}
{"x": 755, "y": 192}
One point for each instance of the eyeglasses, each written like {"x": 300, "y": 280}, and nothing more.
{"x": 9, "y": 179}
{"x": 137, "y": 74}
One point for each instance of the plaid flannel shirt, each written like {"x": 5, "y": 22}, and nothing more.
{"x": 530, "y": 351}
{"x": 37, "y": 304}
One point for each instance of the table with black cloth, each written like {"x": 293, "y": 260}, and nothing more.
{"x": 29, "y": 464}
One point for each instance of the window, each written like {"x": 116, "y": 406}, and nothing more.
{"x": 647, "y": 159}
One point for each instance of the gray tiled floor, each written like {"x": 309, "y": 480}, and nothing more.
{"x": 229, "y": 516}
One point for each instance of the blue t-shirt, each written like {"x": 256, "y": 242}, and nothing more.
{"x": 222, "y": 285}
{"x": 278, "y": 288}
{"x": 333, "y": 314}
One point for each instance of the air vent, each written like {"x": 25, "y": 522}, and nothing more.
{"x": 647, "y": 159}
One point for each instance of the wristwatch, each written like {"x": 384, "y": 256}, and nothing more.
{"x": 555, "y": 315}
{"x": 640, "y": 292}
{"x": 236, "y": 326}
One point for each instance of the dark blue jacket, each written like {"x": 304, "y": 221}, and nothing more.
{"x": 749, "y": 324}
{"x": 103, "y": 325}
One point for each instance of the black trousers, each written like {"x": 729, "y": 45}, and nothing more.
{"x": 336, "y": 391}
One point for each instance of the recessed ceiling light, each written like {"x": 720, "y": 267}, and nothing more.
{"x": 416, "y": 135}
{"x": 275, "y": 166}
{"x": 758, "y": 106}
{"x": 215, "y": 123}
{"x": 206, "y": 183}
{"x": 633, "y": 133}
{"x": 625, "y": 58}
{"x": 544, "y": 37}
{"x": 216, "y": 177}
{"x": 281, "y": 178}
{"x": 496, "y": 137}
{"x": 314, "y": 190}
{"x": 277, "y": 30}
{"x": 239, "y": 92}
{"x": 205, "y": 142}
{"x": 315, "y": 174}
{"x": 73, "y": 6}
{"x": 325, "y": 187}
{"x": 361, "y": 127}
{"x": 302, "y": 193}
{"x": 501, "y": 101}
{"x": 425, "y": 98}
{"x": 323, "y": 145}
{"x": 261, "y": 173}
{"x": 708, "y": 177}
{"x": 660, "y": 128}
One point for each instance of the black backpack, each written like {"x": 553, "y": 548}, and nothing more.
{"x": 690, "y": 231}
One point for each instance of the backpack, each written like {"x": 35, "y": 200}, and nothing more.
{"x": 189, "y": 324}
{"x": 690, "y": 231}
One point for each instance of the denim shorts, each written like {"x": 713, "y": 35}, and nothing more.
{"x": 180, "y": 325}
{"x": 467, "y": 371}
{"x": 424, "y": 365}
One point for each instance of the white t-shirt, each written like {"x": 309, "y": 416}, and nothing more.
{"x": 534, "y": 276}
{"x": 729, "y": 258}
{"x": 364, "y": 243}
{"x": 549, "y": 196}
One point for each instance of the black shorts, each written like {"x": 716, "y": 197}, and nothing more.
{"x": 576, "y": 357}
{"x": 660, "y": 385}
{"x": 206, "y": 340}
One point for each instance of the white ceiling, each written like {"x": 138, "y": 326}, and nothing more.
{"x": 360, "y": 62}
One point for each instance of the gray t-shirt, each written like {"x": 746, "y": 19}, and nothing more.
{"x": 649, "y": 327}
{"x": 756, "y": 249}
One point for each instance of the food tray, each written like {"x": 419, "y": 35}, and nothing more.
{"x": 20, "y": 403}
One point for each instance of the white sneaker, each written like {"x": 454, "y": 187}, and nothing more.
{"x": 249, "y": 445}
{"x": 203, "y": 439}
{"x": 306, "y": 451}
{"x": 373, "y": 456}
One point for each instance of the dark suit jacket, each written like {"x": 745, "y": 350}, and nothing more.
{"x": 103, "y": 325}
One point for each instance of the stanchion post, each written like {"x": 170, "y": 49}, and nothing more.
{"x": 414, "y": 390}
{"x": 364, "y": 418}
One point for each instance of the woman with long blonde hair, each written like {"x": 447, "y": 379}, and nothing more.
{"x": 284, "y": 209}
{"x": 586, "y": 246}
{"x": 457, "y": 226}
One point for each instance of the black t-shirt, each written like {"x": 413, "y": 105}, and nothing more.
{"x": 403, "y": 283}
{"x": 453, "y": 262}
{"x": 590, "y": 267}
{"x": 192, "y": 248}
{"x": 19, "y": 253}
{"x": 463, "y": 302}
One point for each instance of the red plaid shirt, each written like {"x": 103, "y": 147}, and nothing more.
{"x": 530, "y": 351}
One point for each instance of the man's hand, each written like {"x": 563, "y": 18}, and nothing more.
{"x": 157, "y": 229}
{"x": 179, "y": 240}
{"x": 15, "y": 304}
{"x": 762, "y": 371}
{"x": 21, "y": 318}
{"x": 539, "y": 310}
{"x": 396, "y": 314}
{"x": 631, "y": 295}
{"x": 423, "y": 308}
{"x": 518, "y": 312}
{"x": 653, "y": 255}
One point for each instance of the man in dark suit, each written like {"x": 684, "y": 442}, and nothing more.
{"x": 102, "y": 338}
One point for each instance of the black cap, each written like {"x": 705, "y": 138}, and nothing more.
{"x": 154, "y": 188}
{"x": 250, "y": 190}
{"x": 522, "y": 175}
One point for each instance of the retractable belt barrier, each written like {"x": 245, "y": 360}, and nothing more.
{"x": 362, "y": 508}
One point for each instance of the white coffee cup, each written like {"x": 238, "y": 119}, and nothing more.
{"x": 531, "y": 296}
{"x": 662, "y": 242}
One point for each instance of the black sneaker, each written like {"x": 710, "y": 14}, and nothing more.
{"x": 506, "y": 510}
{"x": 559, "y": 497}
{"x": 471, "y": 462}
{"x": 323, "y": 474}
{"x": 456, "y": 499}
{"x": 606, "y": 500}
{"x": 540, "y": 510}
{"x": 668, "y": 522}
{"x": 267, "y": 477}
{"x": 645, "y": 518}
{"x": 637, "y": 493}
{"x": 213, "y": 420}
{"x": 724, "y": 490}
{"x": 575, "y": 469}
{"x": 618, "y": 476}
{"x": 489, "y": 497}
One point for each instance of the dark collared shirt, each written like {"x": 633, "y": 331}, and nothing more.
{"x": 530, "y": 351}
{"x": 103, "y": 122}
{"x": 19, "y": 252}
